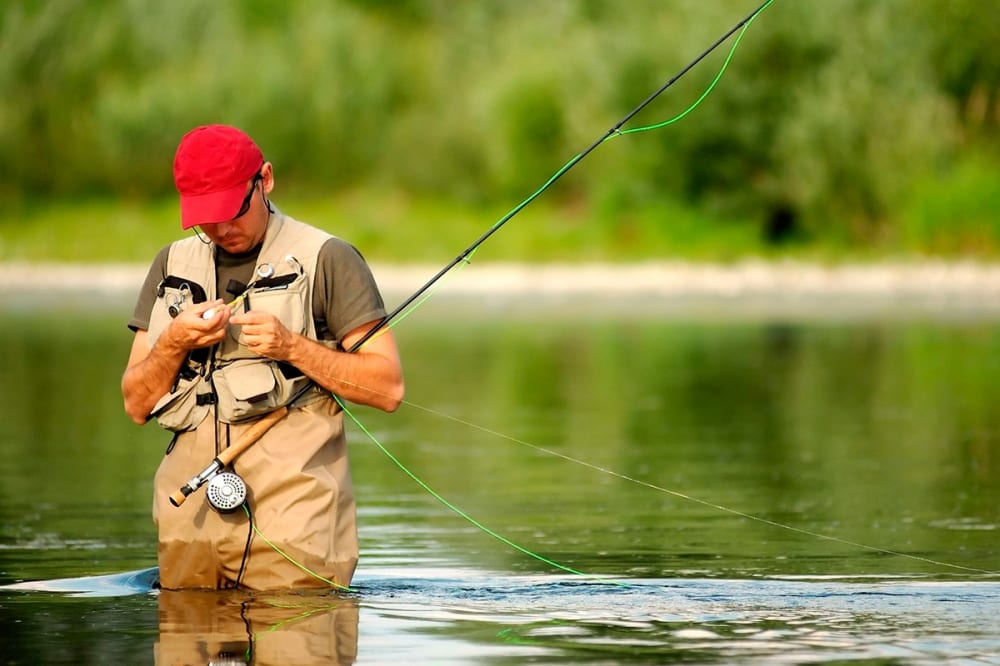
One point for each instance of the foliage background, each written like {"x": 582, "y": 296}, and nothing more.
{"x": 843, "y": 127}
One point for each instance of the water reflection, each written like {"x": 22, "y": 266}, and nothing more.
{"x": 876, "y": 432}
{"x": 467, "y": 616}
{"x": 558, "y": 619}
{"x": 207, "y": 627}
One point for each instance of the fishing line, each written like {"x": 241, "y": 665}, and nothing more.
{"x": 420, "y": 482}
{"x": 409, "y": 305}
{"x": 706, "y": 503}
{"x": 279, "y": 551}
{"x": 297, "y": 618}
{"x": 616, "y": 130}
{"x": 630, "y": 479}
{"x": 420, "y": 296}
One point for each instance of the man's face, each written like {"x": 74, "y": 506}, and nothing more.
{"x": 246, "y": 230}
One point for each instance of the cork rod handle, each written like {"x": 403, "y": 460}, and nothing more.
{"x": 245, "y": 441}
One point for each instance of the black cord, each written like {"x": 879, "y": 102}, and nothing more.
{"x": 246, "y": 504}
{"x": 233, "y": 653}
{"x": 246, "y": 548}
{"x": 244, "y": 607}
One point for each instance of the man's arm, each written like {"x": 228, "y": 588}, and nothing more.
{"x": 151, "y": 372}
{"x": 373, "y": 375}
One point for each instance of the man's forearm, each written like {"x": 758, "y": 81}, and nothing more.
{"x": 363, "y": 377}
{"x": 148, "y": 380}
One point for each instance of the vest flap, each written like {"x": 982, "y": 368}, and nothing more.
{"x": 249, "y": 382}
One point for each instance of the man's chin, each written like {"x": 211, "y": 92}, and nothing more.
{"x": 234, "y": 247}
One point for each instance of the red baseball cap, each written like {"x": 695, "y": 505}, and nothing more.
{"x": 212, "y": 167}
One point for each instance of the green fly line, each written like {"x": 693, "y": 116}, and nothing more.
{"x": 423, "y": 295}
{"x": 279, "y": 551}
{"x": 465, "y": 259}
{"x": 690, "y": 498}
{"x": 419, "y": 297}
{"x": 451, "y": 506}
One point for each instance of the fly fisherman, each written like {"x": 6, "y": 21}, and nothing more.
{"x": 298, "y": 299}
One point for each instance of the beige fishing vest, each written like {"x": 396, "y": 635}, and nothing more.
{"x": 240, "y": 384}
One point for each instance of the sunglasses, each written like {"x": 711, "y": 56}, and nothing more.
{"x": 245, "y": 206}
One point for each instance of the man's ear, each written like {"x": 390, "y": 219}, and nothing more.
{"x": 267, "y": 177}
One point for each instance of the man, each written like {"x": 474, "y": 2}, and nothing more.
{"x": 298, "y": 300}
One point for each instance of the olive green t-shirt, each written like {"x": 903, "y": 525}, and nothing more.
{"x": 345, "y": 294}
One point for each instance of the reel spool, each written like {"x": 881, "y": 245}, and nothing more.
{"x": 226, "y": 492}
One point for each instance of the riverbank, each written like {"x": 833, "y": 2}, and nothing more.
{"x": 961, "y": 279}
{"x": 969, "y": 286}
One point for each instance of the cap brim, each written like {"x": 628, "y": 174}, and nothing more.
{"x": 211, "y": 208}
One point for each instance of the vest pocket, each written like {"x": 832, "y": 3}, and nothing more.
{"x": 181, "y": 409}
{"x": 285, "y": 296}
{"x": 249, "y": 388}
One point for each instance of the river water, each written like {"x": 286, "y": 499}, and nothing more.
{"x": 586, "y": 481}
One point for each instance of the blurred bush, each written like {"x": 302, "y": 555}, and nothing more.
{"x": 831, "y": 118}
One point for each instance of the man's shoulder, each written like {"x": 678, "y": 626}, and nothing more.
{"x": 333, "y": 252}
{"x": 339, "y": 251}
{"x": 162, "y": 256}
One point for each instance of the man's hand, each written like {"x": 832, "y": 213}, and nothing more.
{"x": 151, "y": 370}
{"x": 192, "y": 330}
{"x": 264, "y": 334}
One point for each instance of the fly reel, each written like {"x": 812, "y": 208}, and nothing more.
{"x": 226, "y": 492}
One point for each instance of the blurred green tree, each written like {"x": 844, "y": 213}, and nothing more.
{"x": 829, "y": 117}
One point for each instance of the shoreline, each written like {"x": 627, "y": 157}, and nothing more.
{"x": 674, "y": 278}
{"x": 743, "y": 291}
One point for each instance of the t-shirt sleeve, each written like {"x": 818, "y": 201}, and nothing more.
{"x": 345, "y": 292}
{"x": 147, "y": 293}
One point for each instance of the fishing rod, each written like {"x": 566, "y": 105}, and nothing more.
{"x": 614, "y": 130}
{"x": 231, "y": 484}
{"x": 226, "y": 491}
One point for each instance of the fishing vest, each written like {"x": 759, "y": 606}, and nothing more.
{"x": 238, "y": 383}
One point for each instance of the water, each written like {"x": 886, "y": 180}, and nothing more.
{"x": 737, "y": 487}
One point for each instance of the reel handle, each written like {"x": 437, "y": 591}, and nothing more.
{"x": 246, "y": 440}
